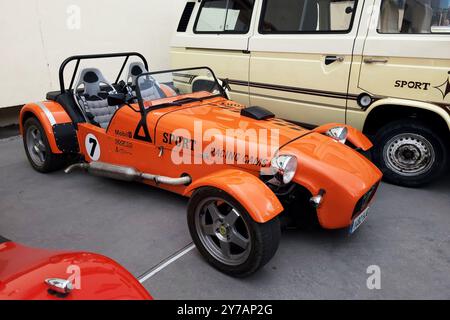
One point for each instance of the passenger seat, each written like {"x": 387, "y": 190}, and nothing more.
{"x": 93, "y": 99}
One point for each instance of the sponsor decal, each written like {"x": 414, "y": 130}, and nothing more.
{"x": 233, "y": 146}
{"x": 123, "y": 146}
{"x": 123, "y": 134}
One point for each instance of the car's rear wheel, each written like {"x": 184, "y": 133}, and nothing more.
{"x": 410, "y": 153}
{"x": 38, "y": 149}
{"x": 227, "y": 236}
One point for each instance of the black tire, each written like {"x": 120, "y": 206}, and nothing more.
{"x": 264, "y": 238}
{"x": 418, "y": 137}
{"x": 51, "y": 161}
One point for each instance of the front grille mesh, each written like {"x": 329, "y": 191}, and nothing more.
{"x": 365, "y": 200}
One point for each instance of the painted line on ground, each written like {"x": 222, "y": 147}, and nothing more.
{"x": 166, "y": 262}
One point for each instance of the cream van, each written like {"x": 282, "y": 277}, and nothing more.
{"x": 382, "y": 66}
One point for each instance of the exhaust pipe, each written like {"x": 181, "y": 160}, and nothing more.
{"x": 106, "y": 170}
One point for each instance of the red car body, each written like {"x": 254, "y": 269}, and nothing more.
{"x": 23, "y": 272}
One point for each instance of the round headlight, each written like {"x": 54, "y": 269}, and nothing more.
{"x": 284, "y": 168}
{"x": 338, "y": 133}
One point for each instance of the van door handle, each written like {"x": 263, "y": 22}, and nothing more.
{"x": 373, "y": 60}
{"x": 330, "y": 59}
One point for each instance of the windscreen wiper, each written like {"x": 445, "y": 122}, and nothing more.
{"x": 177, "y": 103}
{"x": 188, "y": 100}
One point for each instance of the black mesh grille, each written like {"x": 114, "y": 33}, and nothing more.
{"x": 365, "y": 200}
{"x": 185, "y": 17}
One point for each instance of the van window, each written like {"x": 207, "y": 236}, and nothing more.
{"x": 414, "y": 16}
{"x": 224, "y": 16}
{"x": 307, "y": 16}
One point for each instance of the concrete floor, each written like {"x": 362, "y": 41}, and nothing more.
{"x": 407, "y": 235}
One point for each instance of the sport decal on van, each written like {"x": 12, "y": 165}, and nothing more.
{"x": 445, "y": 87}
{"x": 412, "y": 85}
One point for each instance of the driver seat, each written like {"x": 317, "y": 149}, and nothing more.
{"x": 150, "y": 88}
{"x": 93, "y": 97}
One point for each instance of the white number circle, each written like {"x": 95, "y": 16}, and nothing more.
{"x": 92, "y": 147}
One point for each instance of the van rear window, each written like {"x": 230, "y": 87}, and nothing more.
{"x": 224, "y": 16}
{"x": 307, "y": 16}
{"x": 414, "y": 16}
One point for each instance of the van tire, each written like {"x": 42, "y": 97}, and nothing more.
{"x": 410, "y": 153}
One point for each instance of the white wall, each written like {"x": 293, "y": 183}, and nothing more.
{"x": 37, "y": 35}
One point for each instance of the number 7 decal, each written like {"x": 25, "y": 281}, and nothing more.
{"x": 92, "y": 147}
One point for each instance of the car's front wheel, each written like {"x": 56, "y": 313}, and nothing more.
{"x": 38, "y": 149}
{"x": 227, "y": 236}
{"x": 410, "y": 153}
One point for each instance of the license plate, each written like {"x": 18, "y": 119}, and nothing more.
{"x": 358, "y": 221}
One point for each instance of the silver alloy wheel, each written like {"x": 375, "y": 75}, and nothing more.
{"x": 223, "y": 231}
{"x": 409, "y": 154}
{"x": 35, "y": 145}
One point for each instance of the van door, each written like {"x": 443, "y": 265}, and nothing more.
{"x": 407, "y": 51}
{"x": 301, "y": 55}
{"x": 217, "y": 36}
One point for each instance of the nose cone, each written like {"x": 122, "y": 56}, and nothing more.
{"x": 321, "y": 156}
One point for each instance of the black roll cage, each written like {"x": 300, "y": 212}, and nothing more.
{"x": 78, "y": 59}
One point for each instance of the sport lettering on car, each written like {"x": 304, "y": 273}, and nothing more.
{"x": 171, "y": 139}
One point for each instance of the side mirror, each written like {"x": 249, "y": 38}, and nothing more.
{"x": 116, "y": 99}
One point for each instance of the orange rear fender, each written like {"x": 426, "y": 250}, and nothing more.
{"x": 356, "y": 137}
{"x": 260, "y": 202}
{"x": 48, "y": 114}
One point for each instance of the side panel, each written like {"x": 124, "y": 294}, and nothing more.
{"x": 252, "y": 193}
{"x": 95, "y": 144}
{"x": 49, "y": 114}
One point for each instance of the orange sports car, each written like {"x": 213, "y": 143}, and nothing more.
{"x": 244, "y": 169}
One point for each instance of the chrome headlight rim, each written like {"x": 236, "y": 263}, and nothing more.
{"x": 284, "y": 168}
{"x": 338, "y": 133}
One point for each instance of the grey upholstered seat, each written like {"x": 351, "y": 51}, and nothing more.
{"x": 149, "y": 87}
{"x": 93, "y": 99}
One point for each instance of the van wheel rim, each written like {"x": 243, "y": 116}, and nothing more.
{"x": 35, "y": 146}
{"x": 409, "y": 154}
{"x": 223, "y": 231}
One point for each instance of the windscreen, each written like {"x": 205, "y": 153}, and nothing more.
{"x": 161, "y": 87}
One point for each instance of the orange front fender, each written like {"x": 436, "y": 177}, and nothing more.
{"x": 356, "y": 137}
{"x": 260, "y": 202}
{"x": 48, "y": 114}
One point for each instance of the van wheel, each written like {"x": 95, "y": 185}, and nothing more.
{"x": 38, "y": 149}
{"x": 226, "y": 235}
{"x": 409, "y": 153}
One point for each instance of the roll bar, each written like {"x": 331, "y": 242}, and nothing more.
{"x": 78, "y": 58}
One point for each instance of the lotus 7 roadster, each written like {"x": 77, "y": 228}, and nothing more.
{"x": 245, "y": 171}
